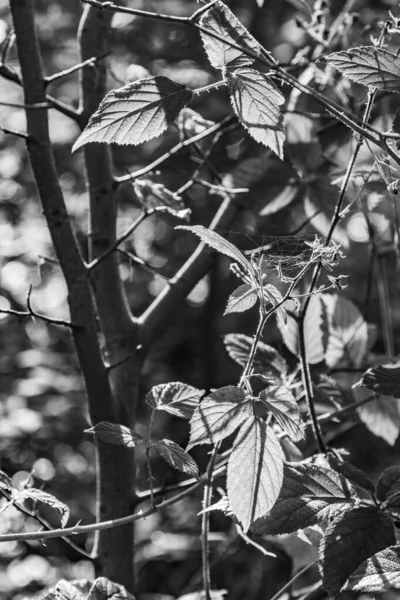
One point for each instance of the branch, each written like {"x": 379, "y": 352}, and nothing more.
{"x": 8, "y": 131}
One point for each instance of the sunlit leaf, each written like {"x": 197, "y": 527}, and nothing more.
{"x": 255, "y": 471}
{"x": 152, "y": 195}
{"x": 310, "y": 495}
{"x": 176, "y": 456}
{"x": 353, "y": 474}
{"x": 370, "y": 66}
{"x": 284, "y": 408}
{"x": 221, "y": 21}
{"x": 104, "y": 589}
{"x": 267, "y": 361}
{"x": 255, "y": 100}
{"x": 5, "y": 482}
{"x": 135, "y": 113}
{"x": 242, "y": 299}
{"x": 176, "y": 398}
{"x": 384, "y": 379}
{"x": 45, "y": 498}
{"x": 381, "y": 415}
{"x": 353, "y": 537}
{"x": 379, "y": 573}
{"x": 115, "y": 434}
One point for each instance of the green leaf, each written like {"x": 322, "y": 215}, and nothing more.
{"x": 211, "y": 238}
{"x": 217, "y": 418}
{"x": 65, "y": 590}
{"x": 176, "y": 457}
{"x": 221, "y": 21}
{"x": 242, "y": 299}
{"x": 115, "y": 434}
{"x": 384, "y": 379}
{"x": 347, "y": 330}
{"x": 353, "y": 537}
{"x": 381, "y": 416}
{"x": 379, "y": 573}
{"x": 310, "y": 495}
{"x": 135, "y": 113}
{"x": 369, "y": 66}
{"x": 353, "y": 474}
{"x": 255, "y": 471}
{"x": 388, "y": 483}
{"x": 267, "y": 361}
{"x": 175, "y": 398}
{"x": 284, "y": 408}
{"x": 45, "y": 498}
{"x": 255, "y": 100}
{"x": 314, "y": 334}
{"x": 104, "y": 589}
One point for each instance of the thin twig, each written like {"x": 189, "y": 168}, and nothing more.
{"x": 8, "y": 131}
{"x": 89, "y": 62}
{"x": 205, "y": 524}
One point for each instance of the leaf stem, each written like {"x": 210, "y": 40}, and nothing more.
{"x": 205, "y": 524}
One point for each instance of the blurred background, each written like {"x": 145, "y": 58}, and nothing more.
{"x": 42, "y": 407}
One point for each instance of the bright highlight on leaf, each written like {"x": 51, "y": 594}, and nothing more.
{"x": 379, "y": 573}
{"x": 115, "y": 434}
{"x": 255, "y": 100}
{"x": 285, "y": 410}
{"x": 368, "y": 65}
{"x": 176, "y": 398}
{"x": 176, "y": 457}
{"x": 45, "y": 498}
{"x": 242, "y": 299}
{"x": 267, "y": 361}
{"x": 135, "y": 113}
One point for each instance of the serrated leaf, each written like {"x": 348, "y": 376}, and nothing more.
{"x": 66, "y": 590}
{"x": 352, "y": 538}
{"x": 152, "y": 195}
{"x": 176, "y": 398}
{"x": 135, "y": 113}
{"x": 310, "y": 495}
{"x": 115, "y": 434}
{"x": 267, "y": 361}
{"x": 379, "y": 573}
{"x": 384, "y": 379}
{"x": 314, "y": 334}
{"x": 347, "y": 330}
{"x": 255, "y": 471}
{"x": 45, "y": 498}
{"x": 211, "y": 238}
{"x": 221, "y": 21}
{"x": 242, "y": 299}
{"x": 176, "y": 457}
{"x": 214, "y": 420}
{"x": 381, "y": 416}
{"x": 255, "y": 100}
{"x": 311, "y": 535}
{"x": 5, "y": 482}
{"x": 104, "y": 589}
{"x": 284, "y": 408}
{"x": 370, "y": 66}
{"x": 353, "y": 474}
{"x": 388, "y": 483}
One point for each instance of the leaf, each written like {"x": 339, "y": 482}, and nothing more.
{"x": 211, "y": 238}
{"x": 66, "y": 590}
{"x": 221, "y": 21}
{"x": 310, "y": 495}
{"x": 352, "y": 538}
{"x": 153, "y": 195}
{"x": 353, "y": 474}
{"x": 45, "y": 498}
{"x": 176, "y": 398}
{"x": 347, "y": 330}
{"x": 115, "y": 434}
{"x": 370, "y": 66}
{"x": 214, "y": 420}
{"x": 242, "y": 299}
{"x": 255, "y": 471}
{"x": 311, "y": 535}
{"x": 384, "y": 379}
{"x": 274, "y": 296}
{"x": 135, "y": 113}
{"x": 267, "y": 361}
{"x": 284, "y": 408}
{"x": 176, "y": 457}
{"x": 104, "y": 589}
{"x": 388, "y": 483}
{"x": 314, "y": 324}
{"x": 381, "y": 416}
{"x": 5, "y": 482}
{"x": 379, "y": 573}
{"x": 255, "y": 100}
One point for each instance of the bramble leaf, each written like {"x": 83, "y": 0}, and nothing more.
{"x": 45, "y": 498}
{"x": 176, "y": 398}
{"x": 135, "y": 113}
{"x": 176, "y": 456}
{"x": 353, "y": 474}
{"x": 352, "y": 538}
{"x": 381, "y": 415}
{"x": 314, "y": 334}
{"x": 379, "y": 573}
{"x": 310, "y": 495}
{"x": 267, "y": 361}
{"x": 242, "y": 299}
{"x": 370, "y": 66}
{"x": 388, "y": 483}
{"x": 384, "y": 379}
{"x": 255, "y": 100}
{"x": 64, "y": 590}
{"x": 221, "y": 21}
{"x": 284, "y": 408}
{"x": 115, "y": 434}
{"x": 5, "y": 482}
{"x": 104, "y": 589}
{"x": 255, "y": 471}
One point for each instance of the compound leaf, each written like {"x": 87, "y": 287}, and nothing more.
{"x": 176, "y": 457}
{"x": 255, "y": 471}
{"x": 255, "y": 100}
{"x": 370, "y": 66}
{"x": 176, "y": 398}
{"x": 115, "y": 434}
{"x": 135, "y": 113}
